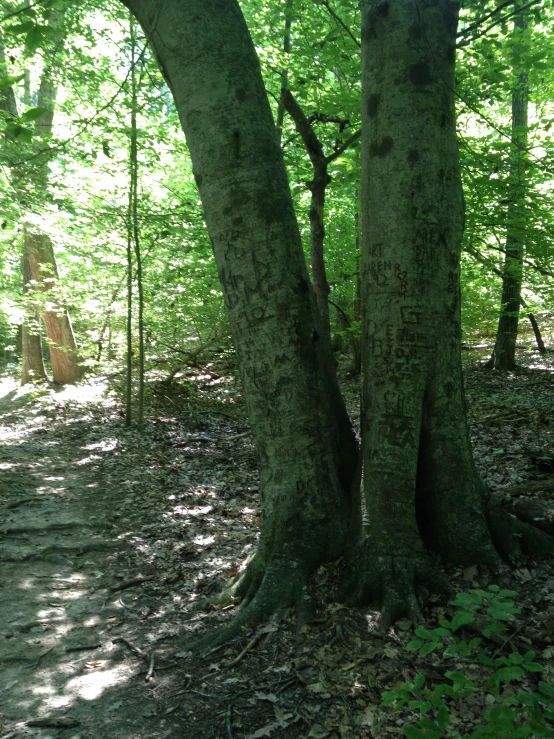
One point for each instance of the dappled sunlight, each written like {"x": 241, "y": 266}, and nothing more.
{"x": 97, "y": 679}
{"x": 84, "y": 393}
{"x": 7, "y": 386}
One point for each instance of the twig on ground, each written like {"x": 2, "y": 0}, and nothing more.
{"x": 150, "y": 673}
{"x": 82, "y": 647}
{"x": 139, "y": 580}
{"x": 251, "y": 644}
{"x": 138, "y": 651}
{"x": 53, "y": 722}
{"x": 23, "y": 501}
{"x": 36, "y": 664}
{"x": 133, "y": 647}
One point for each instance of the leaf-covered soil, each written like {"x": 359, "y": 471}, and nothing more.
{"x": 113, "y": 542}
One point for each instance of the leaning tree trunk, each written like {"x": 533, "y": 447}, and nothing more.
{"x": 32, "y": 361}
{"x": 420, "y": 484}
{"x": 504, "y": 352}
{"x": 305, "y": 444}
{"x": 63, "y": 348}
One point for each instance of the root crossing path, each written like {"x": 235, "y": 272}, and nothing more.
{"x": 69, "y": 662}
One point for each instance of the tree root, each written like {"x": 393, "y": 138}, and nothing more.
{"x": 514, "y": 538}
{"x": 392, "y": 581}
{"x": 265, "y": 591}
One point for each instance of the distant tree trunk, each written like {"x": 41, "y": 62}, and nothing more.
{"x": 504, "y": 352}
{"x": 356, "y": 366}
{"x": 63, "y": 348}
{"x": 317, "y": 186}
{"x": 32, "y": 361}
{"x": 304, "y": 440}
{"x": 536, "y": 330}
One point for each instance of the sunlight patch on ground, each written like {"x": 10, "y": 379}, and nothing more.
{"x": 7, "y": 385}
{"x": 83, "y": 394}
{"x": 91, "y": 685}
{"x": 106, "y": 445}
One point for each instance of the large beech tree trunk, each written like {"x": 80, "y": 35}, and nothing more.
{"x": 305, "y": 444}
{"x": 39, "y": 254}
{"x": 420, "y": 485}
{"x": 504, "y": 352}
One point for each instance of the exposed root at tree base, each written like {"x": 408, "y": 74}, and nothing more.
{"x": 392, "y": 582}
{"x": 265, "y": 592}
{"x": 514, "y": 538}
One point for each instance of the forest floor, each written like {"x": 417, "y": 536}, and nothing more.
{"x": 112, "y": 541}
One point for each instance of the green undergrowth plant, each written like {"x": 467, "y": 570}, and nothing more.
{"x": 515, "y": 714}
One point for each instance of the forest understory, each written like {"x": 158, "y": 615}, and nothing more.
{"x": 114, "y": 542}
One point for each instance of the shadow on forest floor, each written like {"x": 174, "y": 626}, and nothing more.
{"x": 114, "y": 539}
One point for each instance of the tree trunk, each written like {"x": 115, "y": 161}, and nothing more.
{"x": 536, "y": 330}
{"x": 32, "y": 181}
{"x": 420, "y": 485}
{"x": 63, "y": 349}
{"x": 317, "y": 186}
{"x": 504, "y": 352}
{"x": 32, "y": 362}
{"x": 304, "y": 440}
{"x": 356, "y": 366}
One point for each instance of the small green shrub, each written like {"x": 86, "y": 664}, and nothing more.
{"x": 527, "y": 714}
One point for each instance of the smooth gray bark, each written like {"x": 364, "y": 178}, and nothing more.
{"x": 420, "y": 485}
{"x": 304, "y": 440}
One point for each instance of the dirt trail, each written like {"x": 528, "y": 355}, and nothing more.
{"x": 61, "y": 672}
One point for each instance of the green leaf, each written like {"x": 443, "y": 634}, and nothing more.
{"x": 18, "y": 28}
{"x": 413, "y": 733}
{"x": 461, "y": 619}
{"x": 443, "y": 717}
{"x": 10, "y": 80}
{"x": 546, "y": 689}
{"x": 34, "y": 39}
{"x": 415, "y": 644}
{"x": 427, "y": 723}
{"x": 423, "y": 633}
{"x": 19, "y": 133}
{"x": 532, "y": 667}
{"x": 419, "y": 681}
{"x": 428, "y": 648}
{"x": 32, "y": 114}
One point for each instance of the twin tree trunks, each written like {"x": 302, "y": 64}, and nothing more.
{"x": 421, "y": 492}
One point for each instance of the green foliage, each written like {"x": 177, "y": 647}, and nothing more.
{"x": 521, "y": 715}
{"x": 75, "y": 184}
